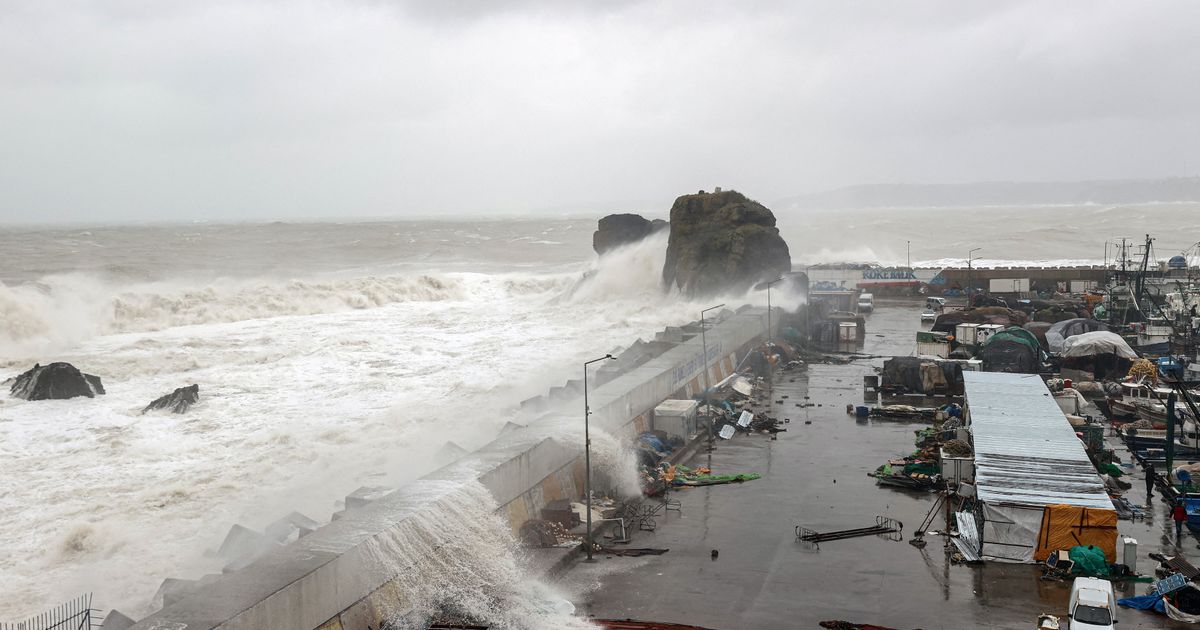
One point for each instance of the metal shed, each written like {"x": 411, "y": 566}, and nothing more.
{"x": 1027, "y": 457}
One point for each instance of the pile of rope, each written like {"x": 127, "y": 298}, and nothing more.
{"x": 957, "y": 448}
{"x": 1144, "y": 369}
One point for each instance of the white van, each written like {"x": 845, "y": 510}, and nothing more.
{"x": 1093, "y": 604}
{"x": 866, "y": 302}
{"x": 935, "y": 303}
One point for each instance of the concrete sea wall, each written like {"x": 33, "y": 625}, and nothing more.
{"x": 332, "y": 579}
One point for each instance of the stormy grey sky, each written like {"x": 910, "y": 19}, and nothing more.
{"x": 115, "y": 111}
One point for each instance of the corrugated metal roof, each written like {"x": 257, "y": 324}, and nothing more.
{"x": 1025, "y": 450}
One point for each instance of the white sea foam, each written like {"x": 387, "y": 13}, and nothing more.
{"x": 65, "y": 309}
{"x": 461, "y": 560}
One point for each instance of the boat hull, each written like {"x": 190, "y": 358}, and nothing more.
{"x": 1121, "y": 410}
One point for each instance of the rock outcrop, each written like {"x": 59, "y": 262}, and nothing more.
{"x": 616, "y": 230}
{"x": 177, "y": 401}
{"x": 56, "y": 381}
{"x": 722, "y": 241}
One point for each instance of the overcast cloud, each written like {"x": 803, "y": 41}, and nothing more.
{"x": 114, "y": 111}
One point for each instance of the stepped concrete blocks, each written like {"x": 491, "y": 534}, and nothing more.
{"x": 449, "y": 453}
{"x": 114, "y": 620}
{"x": 243, "y": 542}
{"x": 291, "y": 527}
{"x": 536, "y": 404}
{"x": 172, "y": 590}
{"x": 509, "y": 428}
{"x": 672, "y": 334}
{"x": 365, "y": 495}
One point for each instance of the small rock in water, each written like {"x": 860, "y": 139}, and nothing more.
{"x": 177, "y": 401}
{"x": 56, "y": 381}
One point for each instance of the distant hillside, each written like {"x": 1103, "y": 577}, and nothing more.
{"x": 998, "y": 194}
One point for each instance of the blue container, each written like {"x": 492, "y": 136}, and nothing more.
{"x": 862, "y": 411}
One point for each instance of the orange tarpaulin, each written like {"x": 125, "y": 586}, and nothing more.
{"x": 1065, "y": 526}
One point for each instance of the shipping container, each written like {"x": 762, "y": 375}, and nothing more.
{"x": 847, "y": 331}
{"x": 1008, "y": 285}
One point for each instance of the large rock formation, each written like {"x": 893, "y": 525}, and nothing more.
{"x": 721, "y": 241}
{"x": 616, "y": 230}
{"x": 177, "y": 401}
{"x": 55, "y": 382}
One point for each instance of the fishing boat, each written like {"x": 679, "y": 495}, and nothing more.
{"x": 1187, "y": 438}
{"x": 1152, "y": 337}
{"x": 1124, "y": 408}
{"x": 1154, "y": 409}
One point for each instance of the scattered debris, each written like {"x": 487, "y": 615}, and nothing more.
{"x": 542, "y": 533}
{"x": 630, "y": 624}
{"x": 849, "y": 625}
{"x": 633, "y": 552}
{"x": 884, "y": 526}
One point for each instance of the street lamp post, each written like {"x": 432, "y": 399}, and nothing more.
{"x": 769, "y": 283}
{"x": 587, "y": 454}
{"x": 704, "y": 361}
{"x": 970, "y": 279}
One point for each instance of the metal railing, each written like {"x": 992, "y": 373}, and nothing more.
{"x": 73, "y": 615}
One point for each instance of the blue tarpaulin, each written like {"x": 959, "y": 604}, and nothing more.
{"x": 1153, "y": 601}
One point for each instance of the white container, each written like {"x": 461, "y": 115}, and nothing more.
{"x": 1008, "y": 285}
{"x": 985, "y": 331}
{"x": 1129, "y": 553}
{"x": 1068, "y": 401}
{"x": 847, "y": 331}
{"x": 958, "y": 470}
{"x": 965, "y": 333}
{"x": 933, "y": 349}
{"x": 676, "y": 417}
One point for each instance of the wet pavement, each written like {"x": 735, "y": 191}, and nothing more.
{"x": 815, "y": 475}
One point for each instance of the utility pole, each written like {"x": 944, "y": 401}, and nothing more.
{"x": 587, "y": 454}
{"x": 970, "y": 278}
{"x": 704, "y": 362}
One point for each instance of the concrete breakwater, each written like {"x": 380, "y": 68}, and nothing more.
{"x": 334, "y": 577}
